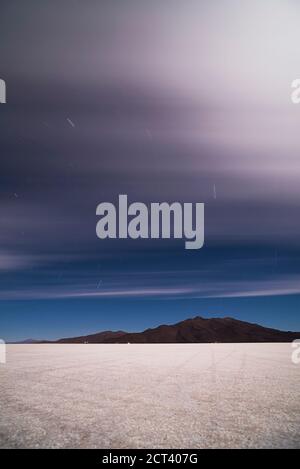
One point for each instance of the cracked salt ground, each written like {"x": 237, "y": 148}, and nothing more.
{"x": 149, "y": 396}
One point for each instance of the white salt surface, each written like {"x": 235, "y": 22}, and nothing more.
{"x": 150, "y": 396}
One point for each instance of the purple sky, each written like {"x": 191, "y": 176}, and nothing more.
{"x": 163, "y": 101}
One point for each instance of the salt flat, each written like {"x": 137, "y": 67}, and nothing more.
{"x": 150, "y": 396}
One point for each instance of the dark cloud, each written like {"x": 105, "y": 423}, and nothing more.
{"x": 163, "y": 103}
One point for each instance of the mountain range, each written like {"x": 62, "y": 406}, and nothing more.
{"x": 194, "y": 330}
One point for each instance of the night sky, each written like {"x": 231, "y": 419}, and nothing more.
{"x": 162, "y": 101}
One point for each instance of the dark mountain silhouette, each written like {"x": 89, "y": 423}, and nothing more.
{"x": 195, "y": 330}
